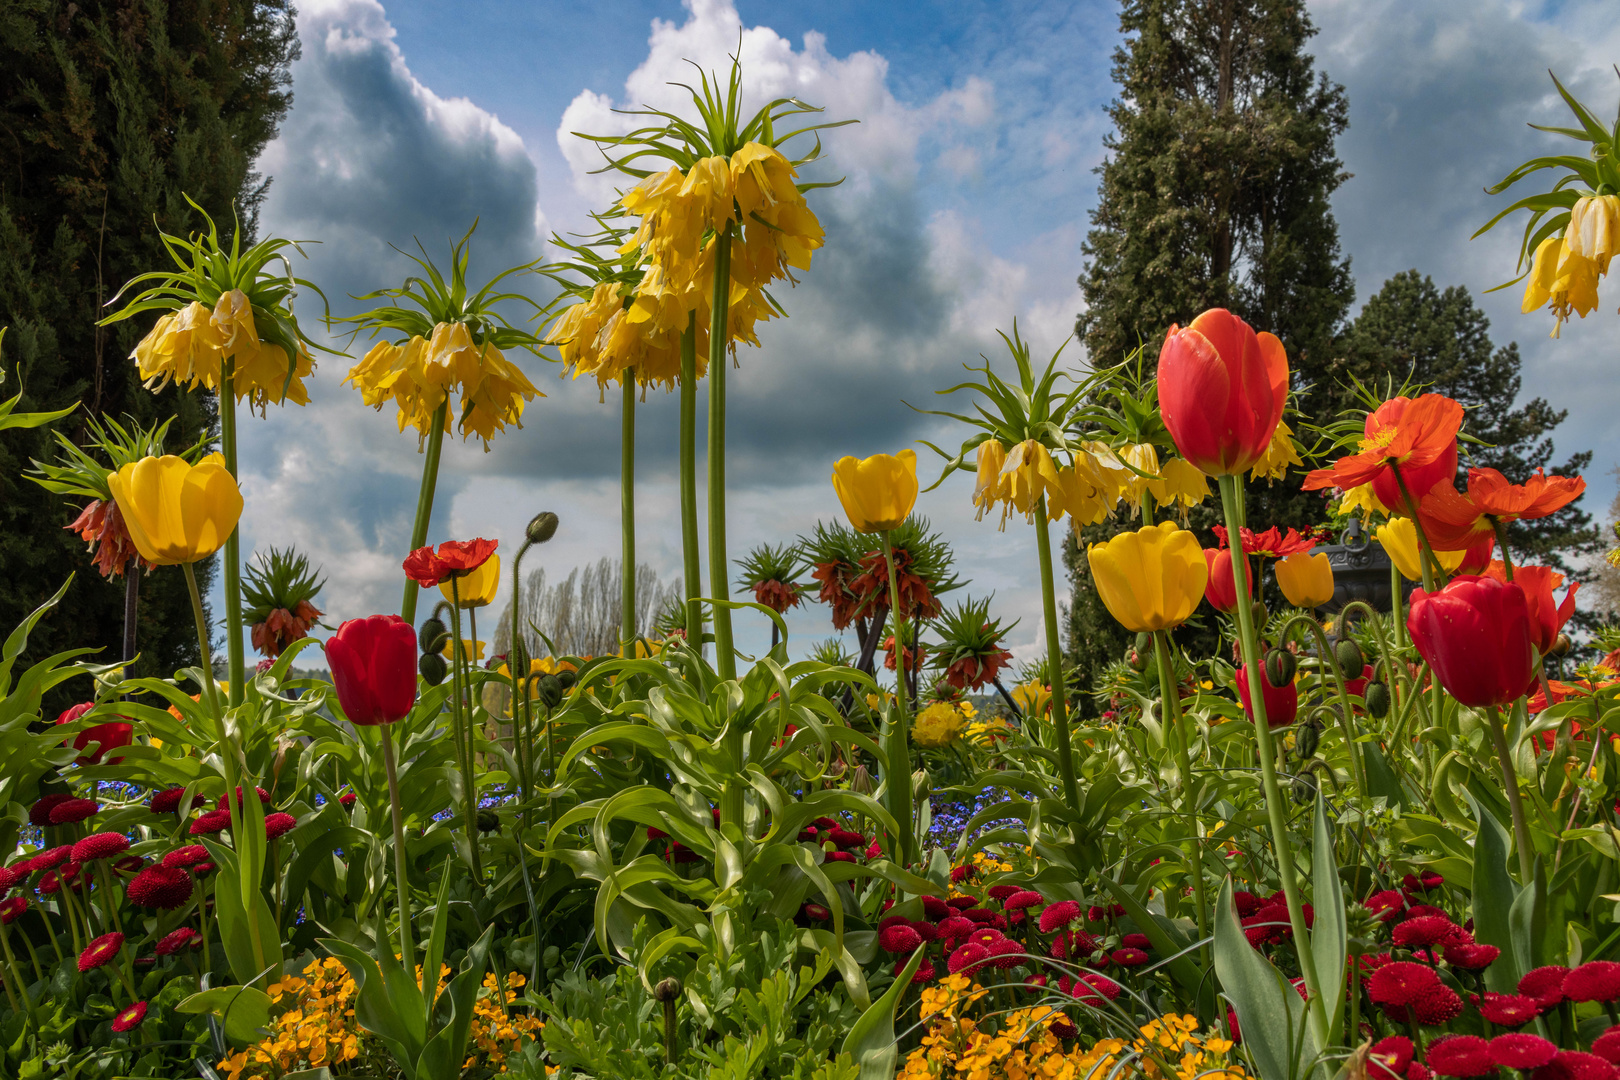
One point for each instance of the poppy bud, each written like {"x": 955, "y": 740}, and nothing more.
{"x": 431, "y": 636}
{"x": 1136, "y": 660}
{"x": 1306, "y": 740}
{"x": 1280, "y": 666}
{"x": 488, "y": 820}
{"x": 1348, "y": 653}
{"x": 1304, "y": 790}
{"x": 542, "y": 527}
{"x": 666, "y": 989}
{"x": 1560, "y": 646}
{"x": 1377, "y": 698}
{"x": 566, "y": 679}
{"x": 1144, "y": 642}
{"x": 549, "y": 689}
{"x": 433, "y": 668}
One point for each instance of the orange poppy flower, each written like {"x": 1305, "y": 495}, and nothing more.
{"x": 1417, "y": 436}
{"x": 1547, "y": 615}
{"x": 1453, "y": 520}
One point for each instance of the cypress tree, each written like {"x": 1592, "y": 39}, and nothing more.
{"x": 1215, "y": 193}
{"x": 111, "y": 111}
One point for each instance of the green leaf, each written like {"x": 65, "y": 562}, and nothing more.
{"x": 313, "y": 852}
{"x": 871, "y": 1041}
{"x": 1527, "y": 921}
{"x": 1381, "y": 780}
{"x": 1494, "y": 895}
{"x": 1167, "y": 941}
{"x": 447, "y": 1049}
{"x": 1329, "y": 937}
{"x": 243, "y": 1011}
{"x": 1269, "y": 1010}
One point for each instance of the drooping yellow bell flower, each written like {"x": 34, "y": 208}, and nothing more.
{"x": 1594, "y": 229}
{"x": 1562, "y": 280}
{"x": 190, "y": 347}
{"x": 1399, "y": 540}
{"x": 1278, "y": 457}
{"x": 1305, "y": 579}
{"x": 1150, "y": 579}
{"x": 877, "y": 492}
{"x": 1180, "y": 481}
{"x": 989, "y": 487}
{"x": 1082, "y": 491}
{"x": 182, "y": 347}
{"x": 477, "y": 588}
{"x": 1362, "y": 497}
{"x": 177, "y": 512}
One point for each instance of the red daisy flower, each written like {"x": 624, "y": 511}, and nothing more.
{"x": 845, "y": 839}
{"x": 175, "y": 940}
{"x": 202, "y": 868}
{"x": 816, "y": 912}
{"x": 968, "y": 959}
{"x": 956, "y": 927}
{"x": 214, "y": 821}
{"x": 1574, "y": 1065}
{"x": 160, "y": 887}
{"x": 130, "y": 1018}
{"x": 1022, "y": 899}
{"x": 960, "y": 874}
{"x": 11, "y": 910}
{"x": 1430, "y": 930}
{"x": 924, "y": 972}
{"x": 1386, "y": 905}
{"x": 1545, "y": 985}
{"x": 168, "y": 801}
{"x": 1400, "y": 982}
{"x": 101, "y": 845}
{"x": 1436, "y": 1006}
{"x": 181, "y": 858}
{"x": 1001, "y": 892}
{"x": 101, "y": 951}
{"x": 1508, "y": 1010}
{"x": 40, "y": 813}
{"x": 986, "y": 937}
{"x": 1460, "y": 1055}
{"x": 1094, "y": 989}
{"x": 264, "y": 798}
{"x": 50, "y": 860}
{"x": 74, "y": 810}
{"x": 278, "y": 825}
{"x": 1006, "y": 953}
{"x": 898, "y": 939}
{"x": 935, "y": 908}
{"x": 1136, "y": 941}
{"x": 838, "y": 856}
{"x": 926, "y": 930}
{"x": 962, "y": 903}
{"x": 1607, "y": 1046}
{"x": 1129, "y": 957}
{"x": 1246, "y": 903}
{"x": 1472, "y": 957}
{"x": 1596, "y": 980}
{"x": 1391, "y": 1055}
{"x": 347, "y": 799}
{"x": 1058, "y": 915}
{"x": 1520, "y": 1050}
{"x": 892, "y": 920}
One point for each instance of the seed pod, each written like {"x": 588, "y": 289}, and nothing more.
{"x": 542, "y": 527}
{"x": 488, "y": 820}
{"x": 1304, "y": 789}
{"x": 549, "y": 690}
{"x": 1306, "y": 739}
{"x": 1377, "y": 697}
{"x": 566, "y": 679}
{"x": 1280, "y": 666}
{"x": 431, "y": 636}
{"x": 1351, "y": 662}
{"x": 433, "y": 668}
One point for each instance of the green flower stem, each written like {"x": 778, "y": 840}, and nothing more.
{"x": 407, "y": 939}
{"x": 627, "y": 513}
{"x": 522, "y": 719}
{"x": 1332, "y": 661}
{"x": 900, "y": 737}
{"x": 1054, "y": 659}
{"x": 1174, "y": 718}
{"x": 1276, "y": 806}
{"x": 460, "y": 684}
{"x": 691, "y": 564}
{"x": 1431, "y": 569}
{"x": 233, "y": 543}
{"x": 1396, "y": 617}
{"x": 1500, "y": 527}
{"x": 1510, "y": 782}
{"x": 424, "y": 503}
{"x": 725, "y": 658}
{"x": 14, "y": 981}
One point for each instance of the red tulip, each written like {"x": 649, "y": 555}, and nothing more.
{"x": 1547, "y": 616}
{"x": 1221, "y": 391}
{"x": 374, "y": 668}
{"x": 111, "y": 736}
{"x": 1282, "y": 703}
{"x": 1475, "y": 634}
{"x": 1220, "y": 590}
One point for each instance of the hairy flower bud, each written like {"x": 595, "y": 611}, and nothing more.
{"x": 542, "y": 527}
{"x": 433, "y": 668}
{"x": 431, "y": 636}
{"x": 1377, "y": 698}
{"x": 1280, "y": 665}
{"x": 1348, "y": 653}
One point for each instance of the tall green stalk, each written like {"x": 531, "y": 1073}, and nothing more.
{"x": 1510, "y": 784}
{"x": 233, "y": 543}
{"x": 691, "y": 565}
{"x": 1276, "y": 806}
{"x": 463, "y": 728}
{"x": 407, "y": 939}
{"x": 1054, "y": 659}
{"x": 1174, "y": 719}
{"x": 424, "y": 503}
{"x": 725, "y": 657}
{"x": 900, "y": 736}
{"x": 627, "y": 513}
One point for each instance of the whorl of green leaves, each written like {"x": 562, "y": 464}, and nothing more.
{"x": 278, "y": 579}
{"x": 82, "y": 474}
{"x": 781, "y": 562}
{"x": 967, "y": 632}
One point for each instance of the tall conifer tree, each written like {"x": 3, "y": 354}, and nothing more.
{"x": 1215, "y": 193}
{"x": 111, "y": 111}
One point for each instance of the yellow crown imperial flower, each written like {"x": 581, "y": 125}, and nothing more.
{"x": 1274, "y": 464}
{"x": 1561, "y": 280}
{"x": 1594, "y": 229}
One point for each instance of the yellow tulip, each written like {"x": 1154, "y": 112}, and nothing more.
{"x": 1400, "y": 542}
{"x": 1150, "y": 579}
{"x": 877, "y": 492}
{"x": 1305, "y": 579}
{"x": 477, "y": 588}
{"x": 470, "y": 649}
{"x": 177, "y": 512}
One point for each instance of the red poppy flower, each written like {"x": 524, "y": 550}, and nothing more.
{"x": 1417, "y": 437}
{"x": 1547, "y": 616}
{"x": 100, "y": 951}
{"x": 1221, "y": 391}
{"x": 454, "y": 558}
{"x": 129, "y": 1019}
{"x": 1453, "y": 519}
{"x": 1282, "y": 702}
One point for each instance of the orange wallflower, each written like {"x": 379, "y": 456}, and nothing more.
{"x": 1453, "y": 520}
{"x": 1417, "y": 436}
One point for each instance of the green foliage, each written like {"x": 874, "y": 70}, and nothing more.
{"x": 278, "y": 579}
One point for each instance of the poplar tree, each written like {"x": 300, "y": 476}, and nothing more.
{"x": 111, "y": 111}
{"x": 1215, "y": 193}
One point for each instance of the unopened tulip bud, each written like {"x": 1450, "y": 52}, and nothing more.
{"x": 542, "y": 527}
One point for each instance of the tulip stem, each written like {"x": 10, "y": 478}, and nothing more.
{"x": 692, "y": 568}
{"x": 627, "y": 513}
{"x": 233, "y": 543}
{"x": 1430, "y": 564}
{"x": 1510, "y": 782}
{"x": 725, "y": 659}
{"x": 459, "y": 683}
{"x": 1173, "y": 717}
{"x": 407, "y": 939}
{"x": 1054, "y": 658}
{"x": 900, "y": 736}
{"x": 424, "y": 503}
{"x": 517, "y": 667}
{"x": 1232, "y": 503}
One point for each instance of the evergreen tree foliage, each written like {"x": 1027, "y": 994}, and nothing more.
{"x": 1215, "y": 193}
{"x": 110, "y": 112}
{"x": 1412, "y": 330}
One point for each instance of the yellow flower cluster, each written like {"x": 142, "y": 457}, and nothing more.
{"x": 939, "y": 725}
{"x": 601, "y": 336}
{"x": 1564, "y": 274}
{"x": 190, "y": 347}
{"x": 1089, "y": 488}
{"x": 316, "y": 1029}
{"x": 419, "y": 375}
{"x": 987, "y": 734}
{"x": 1281, "y": 454}
{"x": 1029, "y": 1045}
{"x": 496, "y": 1032}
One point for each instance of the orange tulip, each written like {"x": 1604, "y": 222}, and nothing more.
{"x": 1418, "y": 437}
{"x": 1453, "y": 520}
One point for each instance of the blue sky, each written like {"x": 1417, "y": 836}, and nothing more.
{"x": 969, "y": 182}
